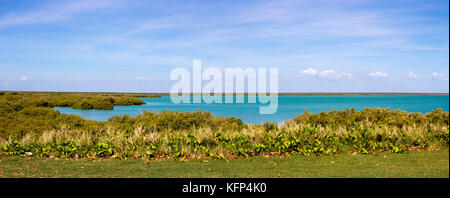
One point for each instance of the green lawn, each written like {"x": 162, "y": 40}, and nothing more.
{"x": 411, "y": 164}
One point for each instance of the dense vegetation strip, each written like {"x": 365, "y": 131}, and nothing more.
{"x": 29, "y": 128}
{"x": 16, "y": 101}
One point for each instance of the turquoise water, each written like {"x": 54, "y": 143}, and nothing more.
{"x": 288, "y": 106}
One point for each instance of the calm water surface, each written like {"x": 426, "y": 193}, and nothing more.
{"x": 288, "y": 106}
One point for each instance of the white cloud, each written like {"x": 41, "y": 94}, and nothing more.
{"x": 378, "y": 75}
{"x": 147, "y": 78}
{"x": 332, "y": 75}
{"x": 346, "y": 75}
{"x": 142, "y": 78}
{"x": 438, "y": 76}
{"x": 315, "y": 19}
{"x": 309, "y": 72}
{"x": 412, "y": 75}
{"x": 6, "y": 84}
{"x": 55, "y": 12}
{"x": 326, "y": 74}
{"x": 9, "y": 84}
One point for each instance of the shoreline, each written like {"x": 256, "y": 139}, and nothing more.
{"x": 278, "y": 123}
{"x": 280, "y": 93}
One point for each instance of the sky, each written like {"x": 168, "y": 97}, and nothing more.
{"x": 317, "y": 46}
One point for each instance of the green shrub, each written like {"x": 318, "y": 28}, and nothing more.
{"x": 28, "y": 124}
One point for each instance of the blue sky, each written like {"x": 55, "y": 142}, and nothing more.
{"x": 318, "y": 46}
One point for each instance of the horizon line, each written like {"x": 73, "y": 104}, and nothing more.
{"x": 279, "y": 93}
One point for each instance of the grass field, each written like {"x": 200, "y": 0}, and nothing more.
{"x": 419, "y": 164}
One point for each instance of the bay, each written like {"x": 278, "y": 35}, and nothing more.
{"x": 288, "y": 106}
